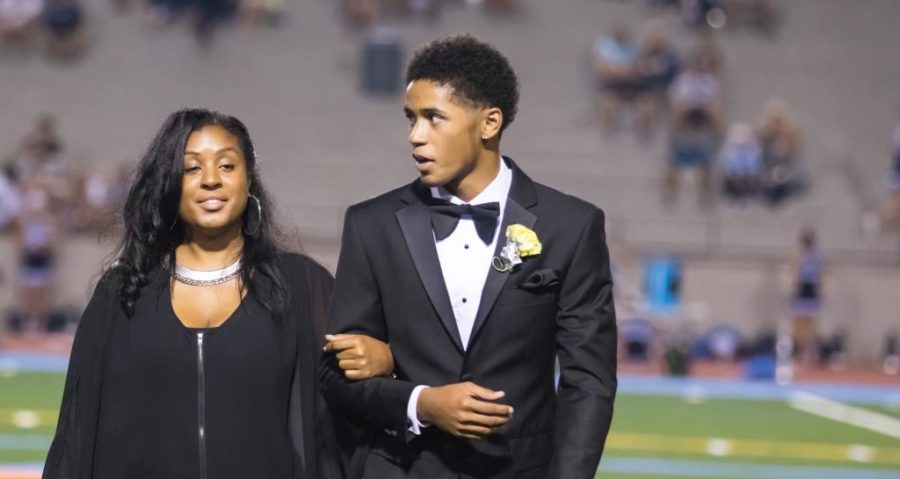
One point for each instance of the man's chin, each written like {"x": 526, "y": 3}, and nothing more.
{"x": 430, "y": 180}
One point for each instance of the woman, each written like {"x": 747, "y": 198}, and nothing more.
{"x": 37, "y": 240}
{"x": 779, "y": 138}
{"x": 808, "y": 271}
{"x": 196, "y": 356}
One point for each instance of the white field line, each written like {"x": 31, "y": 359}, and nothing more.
{"x": 823, "y": 407}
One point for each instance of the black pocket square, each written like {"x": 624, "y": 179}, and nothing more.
{"x": 542, "y": 278}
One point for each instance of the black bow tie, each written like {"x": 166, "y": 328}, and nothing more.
{"x": 445, "y": 216}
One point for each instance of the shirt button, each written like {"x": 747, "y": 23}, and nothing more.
{"x": 466, "y": 246}
{"x": 465, "y": 300}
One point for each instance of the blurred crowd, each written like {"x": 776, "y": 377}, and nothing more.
{"x": 646, "y": 81}
{"x": 55, "y": 27}
{"x": 648, "y": 84}
{"x": 205, "y": 16}
{"x": 886, "y": 215}
{"x": 61, "y": 28}
{"x": 362, "y": 14}
{"x": 45, "y": 196}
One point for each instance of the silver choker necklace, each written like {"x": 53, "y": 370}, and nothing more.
{"x": 194, "y": 277}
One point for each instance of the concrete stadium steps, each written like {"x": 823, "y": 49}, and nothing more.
{"x": 323, "y": 145}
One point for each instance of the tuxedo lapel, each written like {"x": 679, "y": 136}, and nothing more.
{"x": 415, "y": 223}
{"x": 521, "y": 197}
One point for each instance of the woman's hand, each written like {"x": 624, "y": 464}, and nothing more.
{"x": 360, "y": 356}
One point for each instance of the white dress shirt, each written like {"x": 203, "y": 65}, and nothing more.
{"x": 465, "y": 262}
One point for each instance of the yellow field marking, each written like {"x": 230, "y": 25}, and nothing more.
{"x": 753, "y": 448}
{"x": 25, "y": 418}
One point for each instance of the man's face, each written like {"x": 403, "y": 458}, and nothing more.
{"x": 445, "y": 134}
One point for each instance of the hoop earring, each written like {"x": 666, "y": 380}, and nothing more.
{"x": 259, "y": 216}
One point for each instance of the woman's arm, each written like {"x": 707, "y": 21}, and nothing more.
{"x": 71, "y": 453}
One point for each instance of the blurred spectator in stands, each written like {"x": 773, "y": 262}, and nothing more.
{"x": 44, "y": 134}
{"x": 659, "y": 63}
{"x": 40, "y": 151}
{"x": 697, "y": 88}
{"x": 401, "y": 7}
{"x": 694, "y": 102}
{"x": 17, "y": 19}
{"x": 37, "y": 239}
{"x": 359, "y": 14}
{"x": 891, "y": 210}
{"x": 208, "y": 15}
{"x": 761, "y": 15}
{"x": 98, "y": 196}
{"x": 615, "y": 61}
{"x": 662, "y": 4}
{"x": 164, "y": 12}
{"x": 706, "y": 50}
{"x": 263, "y": 12}
{"x": 694, "y": 140}
{"x": 807, "y": 270}
{"x": 703, "y": 13}
{"x": 66, "y": 35}
{"x": 10, "y": 201}
{"x": 501, "y": 7}
{"x": 888, "y": 213}
{"x": 741, "y": 163}
{"x": 779, "y": 138}
{"x": 430, "y": 9}
{"x": 40, "y": 161}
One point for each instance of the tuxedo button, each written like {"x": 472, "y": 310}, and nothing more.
{"x": 466, "y": 377}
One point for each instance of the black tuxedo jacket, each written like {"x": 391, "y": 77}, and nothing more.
{"x": 554, "y": 306}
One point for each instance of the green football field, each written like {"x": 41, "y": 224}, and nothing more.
{"x": 29, "y": 405}
{"x": 654, "y": 436}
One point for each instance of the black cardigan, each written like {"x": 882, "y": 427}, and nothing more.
{"x": 71, "y": 454}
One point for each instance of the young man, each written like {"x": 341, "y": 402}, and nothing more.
{"x": 476, "y": 309}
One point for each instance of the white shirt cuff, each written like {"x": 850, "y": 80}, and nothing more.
{"x": 412, "y": 418}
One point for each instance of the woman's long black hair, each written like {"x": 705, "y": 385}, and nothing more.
{"x": 153, "y": 229}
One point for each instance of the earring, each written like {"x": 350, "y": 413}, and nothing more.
{"x": 259, "y": 216}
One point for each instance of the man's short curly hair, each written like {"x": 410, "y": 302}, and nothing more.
{"x": 477, "y": 72}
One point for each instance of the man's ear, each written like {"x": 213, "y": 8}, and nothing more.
{"x": 492, "y": 123}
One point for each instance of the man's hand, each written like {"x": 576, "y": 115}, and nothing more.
{"x": 464, "y": 409}
{"x": 360, "y": 356}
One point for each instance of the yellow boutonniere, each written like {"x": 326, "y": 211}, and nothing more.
{"x": 521, "y": 242}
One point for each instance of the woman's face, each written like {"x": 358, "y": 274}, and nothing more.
{"x": 214, "y": 188}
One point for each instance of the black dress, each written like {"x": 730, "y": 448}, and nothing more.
{"x": 235, "y": 401}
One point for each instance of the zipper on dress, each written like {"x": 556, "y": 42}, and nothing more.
{"x": 201, "y": 406}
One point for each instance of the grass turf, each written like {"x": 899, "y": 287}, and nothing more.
{"x": 36, "y": 392}
{"x": 671, "y": 420}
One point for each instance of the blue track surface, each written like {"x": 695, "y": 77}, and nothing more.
{"x": 743, "y": 389}
{"x": 669, "y": 467}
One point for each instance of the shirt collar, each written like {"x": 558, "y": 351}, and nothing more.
{"x": 497, "y": 190}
